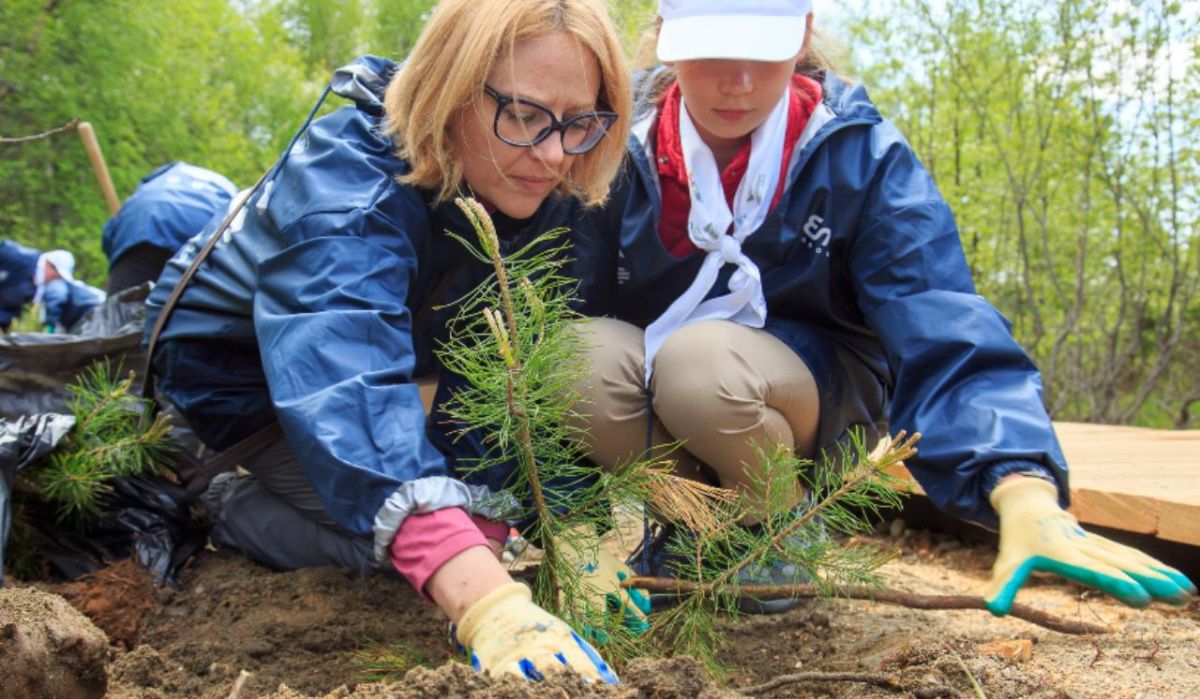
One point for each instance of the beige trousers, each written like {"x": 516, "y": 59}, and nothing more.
{"x": 720, "y": 388}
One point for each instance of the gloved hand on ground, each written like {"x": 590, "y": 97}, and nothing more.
{"x": 1037, "y": 534}
{"x": 600, "y": 576}
{"x": 506, "y": 633}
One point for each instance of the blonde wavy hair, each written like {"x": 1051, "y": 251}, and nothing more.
{"x": 447, "y": 68}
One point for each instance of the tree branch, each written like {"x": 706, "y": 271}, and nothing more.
{"x": 911, "y": 600}
{"x": 783, "y": 680}
{"x": 70, "y": 125}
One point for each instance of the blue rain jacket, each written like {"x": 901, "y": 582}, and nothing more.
{"x": 17, "y": 266}
{"x": 65, "y": 303}
{"x": 171, "y": 205}
{"x": 863, "y": 271}
{"x": 315, "y": 310}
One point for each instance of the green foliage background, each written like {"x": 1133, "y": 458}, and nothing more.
{"x": 1062, "y": 133}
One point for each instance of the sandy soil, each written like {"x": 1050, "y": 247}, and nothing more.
{"x": 323, "y": 632}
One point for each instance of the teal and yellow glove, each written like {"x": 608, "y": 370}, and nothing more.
{"x": 600, "y": 576}
{"x": 1037, "y": 534}
{"x": 506, "y": 633}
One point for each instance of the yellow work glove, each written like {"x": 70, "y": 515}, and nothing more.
{"x": 1037, "y": 534}
{"x": 506, "y": 633}
{"x": 600, "y": 576}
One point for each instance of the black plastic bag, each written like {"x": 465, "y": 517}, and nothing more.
{"x": 22, "y": 442}
{"x": 35, "y": 368}
{"x": 146, "y": 517}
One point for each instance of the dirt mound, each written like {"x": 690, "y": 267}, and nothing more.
{"x": 144, "y": 673}
{"x": 311, "y": 629}
{"x": 117, "y": 599}
{"x": 678, "y": 678}
{"x": 47, "y": 649}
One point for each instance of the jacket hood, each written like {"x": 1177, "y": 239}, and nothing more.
{"x": 364, "y": 81}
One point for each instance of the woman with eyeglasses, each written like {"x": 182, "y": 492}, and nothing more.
{"x": 293, "y": 344}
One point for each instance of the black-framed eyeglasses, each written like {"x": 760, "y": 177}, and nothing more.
{"x": 524, "y": 123}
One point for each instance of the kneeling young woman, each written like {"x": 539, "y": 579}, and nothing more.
{"x": 781, "y": 269}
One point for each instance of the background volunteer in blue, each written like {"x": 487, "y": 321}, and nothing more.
{"x": 17, "y": 268}
{"x": 64, "y": 300}
{"x": 315, "y": 311}
{"x": 169, "y": 206}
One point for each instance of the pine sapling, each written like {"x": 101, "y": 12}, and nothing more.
{"x": 843, "y": 495}
{"x": 515, "y": 341}
{"x": 109, "y": 440}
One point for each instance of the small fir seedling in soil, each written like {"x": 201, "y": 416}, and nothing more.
{"x": 514, "y": 340}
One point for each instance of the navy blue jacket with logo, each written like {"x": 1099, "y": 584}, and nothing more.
{"x": 314, "y": 310}
{"x": 861, "y": 261}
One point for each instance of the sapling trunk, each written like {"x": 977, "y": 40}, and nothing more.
{"x": 511, "y": 350}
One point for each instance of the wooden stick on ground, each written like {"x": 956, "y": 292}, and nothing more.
{"x": 240, "y": 682}
{"x": 911, "y": 600}
{"x": 783, "y": 680}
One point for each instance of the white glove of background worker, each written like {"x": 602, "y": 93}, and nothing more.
{"x": 1037, "y": 534}
{"x": 505, "y": 632}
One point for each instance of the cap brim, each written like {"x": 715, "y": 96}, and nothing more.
{"x": 753, "y": 38}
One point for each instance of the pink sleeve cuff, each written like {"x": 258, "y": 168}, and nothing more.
{"x": 426, "y": 541}
{"x": 493, "y": 530}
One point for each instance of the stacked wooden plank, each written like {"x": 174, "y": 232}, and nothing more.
{"x": 1133, "y": 479}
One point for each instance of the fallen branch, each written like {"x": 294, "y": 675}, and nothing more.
{"x": 877, "y": 680}
{"x": 911, "y": 600}
{"x": 1153, "y": 655}
{"x": 236, "y": 692}
{"x": 970, "y": 676}
{"x": 72, "y": 124}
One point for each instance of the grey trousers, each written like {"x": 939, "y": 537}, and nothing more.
{"x": 274, "y": 516}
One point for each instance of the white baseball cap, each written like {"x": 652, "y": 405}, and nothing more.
{"x": 63, "y": 261}
{"x": 754, "y": 30}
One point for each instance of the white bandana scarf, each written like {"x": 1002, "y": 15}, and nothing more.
{"x": 708, "y": 221}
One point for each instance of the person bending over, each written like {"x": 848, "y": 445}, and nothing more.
{"x": 63, "y": 299}
{"x": 169, "y": 206}
{"x": 317, "y": 308}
